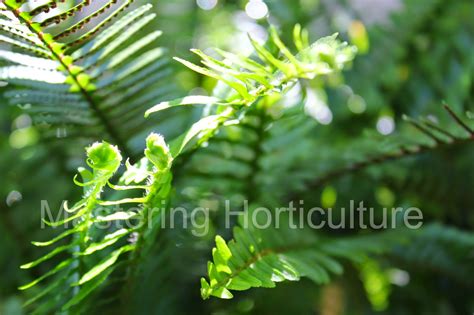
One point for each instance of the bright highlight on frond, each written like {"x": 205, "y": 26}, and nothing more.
{"x": 99, "y": 82}
{"x": 251, "y": 79}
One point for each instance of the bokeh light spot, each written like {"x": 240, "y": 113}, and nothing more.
{"x": 356, "y": 104}
{"x": 385, "y": 125}
{"x": 24, "y": 137}
{"x": 13, "y": 197}
{"x": 316, "y": 108}
{"x": 206, "y": 4}
{"x": 256, "y": 9}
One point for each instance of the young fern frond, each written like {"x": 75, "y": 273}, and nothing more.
{"x": 157, "y": 198}
{"x": 104, "y": 160}
{"x": 259, "y": 257}
{"x": 250, "y": 80}
{"x": 90, "y": 82}
{"x": 90, "y": 213}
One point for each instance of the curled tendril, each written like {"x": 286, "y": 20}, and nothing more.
{"x": 157, "y": 151}
{"x": 103, "y": 156}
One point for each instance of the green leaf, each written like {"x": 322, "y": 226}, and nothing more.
{"x": 107, "y": 241}
{"x": 209, "y": 123}
{"x": 62, "y": 265}
{"x": 125, "y": 22}
{"x": 104, "y": 264}
{"x": 260, "y": 257}
{"x": 57, "y": 238}
{"x": 87, "y": 289}
{"x": 51, "y": 254}
{"x": 188, "y": 100}
{"x": 119, "y": 215}
{"x": 239, "y": 88}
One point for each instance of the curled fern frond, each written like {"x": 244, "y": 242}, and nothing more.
{"x": 89, "y": 245}
{"x": 104, "y": 160}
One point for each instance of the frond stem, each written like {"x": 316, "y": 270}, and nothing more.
{"x": 376, "y": 160}
{"x": 115, "y": 137}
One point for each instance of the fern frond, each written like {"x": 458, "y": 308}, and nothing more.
{"x": 458, "y": 132}
{"x": 257, "y": 257}
{"x": 439, "y": 248}
{"x": 250, "y": 80}
{"x": 93, "y": 65}
{"x": 89, "y": 243}
{"x": 104, "y": 160}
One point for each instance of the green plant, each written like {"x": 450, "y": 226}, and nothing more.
{"x": 80, "y": 80}
{"x": 85, "y": 78}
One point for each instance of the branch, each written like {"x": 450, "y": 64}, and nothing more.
{"x": 403, "y": 152}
